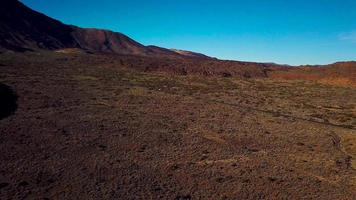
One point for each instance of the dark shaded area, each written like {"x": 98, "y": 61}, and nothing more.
{"x": 22, "y": 29}
{"x": 8, "y": 101}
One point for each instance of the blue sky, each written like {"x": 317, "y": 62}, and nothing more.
{"x": 282, "y": 31}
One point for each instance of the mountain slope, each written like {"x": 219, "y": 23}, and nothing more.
{"x": 106, "y": 41}
{"x": 24, "y": 29}
{"x": 190, "y": 54}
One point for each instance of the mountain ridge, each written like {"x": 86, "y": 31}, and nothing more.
{"x": 24, "y": 29}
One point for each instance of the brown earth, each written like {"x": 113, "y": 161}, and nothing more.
{"x": 104, "y": 117}
{"x": 91, "y": 126}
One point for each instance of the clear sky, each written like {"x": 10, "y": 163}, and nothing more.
{"x": 282, "y": 31}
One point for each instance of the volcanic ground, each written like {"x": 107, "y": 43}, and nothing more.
{"x": 82, "y": 126}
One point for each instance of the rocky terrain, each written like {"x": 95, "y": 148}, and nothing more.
{"x": 341, "y": 73}
{"x": 87, "y": 127}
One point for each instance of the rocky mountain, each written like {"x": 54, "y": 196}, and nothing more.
{"x": 22, "y": 28}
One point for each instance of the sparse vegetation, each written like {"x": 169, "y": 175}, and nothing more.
{"x": 94, "y": 125}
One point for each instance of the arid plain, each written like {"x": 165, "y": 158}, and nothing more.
{"x": 90, "y": 127}
{"x": 89, "y": 113}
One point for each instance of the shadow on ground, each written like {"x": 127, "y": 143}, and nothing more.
{"x": 8, "y": 101}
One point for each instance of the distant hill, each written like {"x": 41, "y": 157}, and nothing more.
{"x": 190, "y": 54}
{"x": 24, "y": 29}
{"x": 340, "y": 73}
